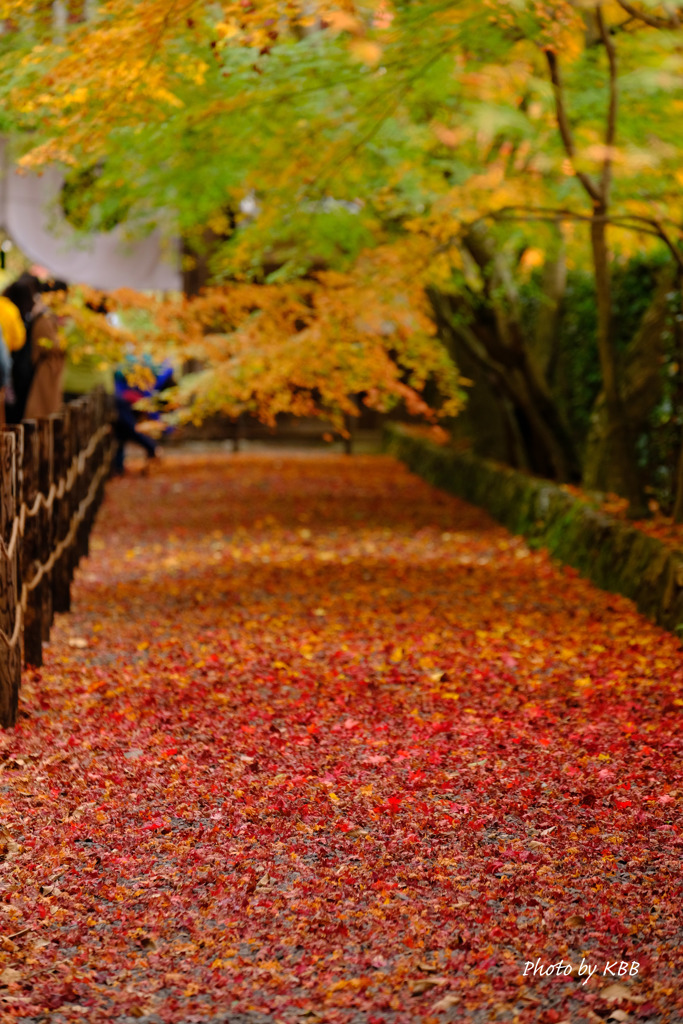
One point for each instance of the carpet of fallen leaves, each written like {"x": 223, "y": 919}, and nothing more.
{"x": 319, "y": 743}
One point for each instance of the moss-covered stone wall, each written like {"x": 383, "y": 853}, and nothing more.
{"x": 614, "y": 555}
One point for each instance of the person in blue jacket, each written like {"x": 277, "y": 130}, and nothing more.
{"x": 126, "y": 396}
{"x": 6, "y": 393}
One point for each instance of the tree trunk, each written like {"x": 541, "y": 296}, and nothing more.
{"x": 544, "y": 343}
{"x": 678, "y": 500}
{"x": 198, "y": 250}
{"x": 507, "y": 345}
{"x": 535, "y": 431}
{"x": 557, "y": 438}
{"x": 678, "y": 504}
{"x": 641, "y": 388}
{"x": 195, "y": 265}
{"x": 620, "y": 445}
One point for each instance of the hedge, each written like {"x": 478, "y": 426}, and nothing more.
{"x": 614, "y": 555}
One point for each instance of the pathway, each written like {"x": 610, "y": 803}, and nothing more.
{"x": 318, "y": 743}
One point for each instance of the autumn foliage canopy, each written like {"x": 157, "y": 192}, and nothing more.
{"x": 375, "y": 151}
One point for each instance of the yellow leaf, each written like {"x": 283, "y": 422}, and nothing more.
{"x": 342, "y": 21}
{"x": 226, "y": 31}
{"x": 532, "y": 258}
{"x": 365, "y": 50}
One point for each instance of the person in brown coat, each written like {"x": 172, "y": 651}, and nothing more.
{"x": 47, "y": 354}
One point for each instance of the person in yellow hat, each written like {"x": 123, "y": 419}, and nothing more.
{"x": 11, "y": 325}
{"x": 13, "y": 337}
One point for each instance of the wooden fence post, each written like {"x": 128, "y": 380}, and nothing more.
{"x": 72, "y": 560}
{"x": 98, "y": 455}
{"x": 107, "y": 444}
{"x": 61, "y": 597}
{"x": 45, "y": 477}
{"x": 83, "y": 479}
{"x": 18, "y": 431}
{"x": 33, "y": 632}
{"x": 88, "y": 431}
{"x": 10, "y": 657}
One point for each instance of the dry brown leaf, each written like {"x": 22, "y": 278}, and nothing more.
{"x": 424, "y": 984}
{"x": 424, "y": 966}
{"x": 9, "y": 975}
{"x": 575, "y": 921}
{"x": 8, "y": 847}
{"x": 614, "y": 993}
{"x": 619, "y": 1015}
{"x": 445, "y": 1004}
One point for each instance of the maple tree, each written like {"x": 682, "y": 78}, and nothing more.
{"x": 318, "y": 740}
{"x": 314, "y": 348}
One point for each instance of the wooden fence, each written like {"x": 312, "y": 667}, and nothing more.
{"x": 52, "y": 477}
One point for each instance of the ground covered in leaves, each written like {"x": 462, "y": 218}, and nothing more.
{"x": 319, "y": 743}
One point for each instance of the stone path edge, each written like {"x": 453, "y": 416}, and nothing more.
{"x": 614, "y": 555}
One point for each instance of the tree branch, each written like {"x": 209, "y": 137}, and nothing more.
{"x": 627, "y": 221}
{"x": 565, "y": 129}
{"x": 611, "y": 127}
{"x": 650, "y": 19}
{"x": 554, "y": 215}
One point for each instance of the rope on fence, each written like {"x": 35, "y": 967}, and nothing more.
{"x": 77, "y": 518}
{"x": 57, "y": 491}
